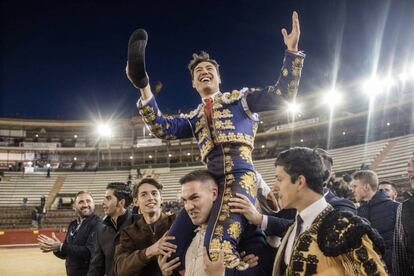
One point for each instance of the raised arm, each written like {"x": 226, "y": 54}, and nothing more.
{"x": 285, "y": 89}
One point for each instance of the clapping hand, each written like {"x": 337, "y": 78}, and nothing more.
{"x": 48, "y": 244}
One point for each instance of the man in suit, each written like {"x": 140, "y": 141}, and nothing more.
{"x": 224, "y": 125}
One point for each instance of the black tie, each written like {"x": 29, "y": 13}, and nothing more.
{"x": 299, "y": 223}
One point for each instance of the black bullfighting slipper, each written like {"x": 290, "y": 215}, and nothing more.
{"x": 136, "y": 58}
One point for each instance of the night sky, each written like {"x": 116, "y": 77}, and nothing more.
{"x": 66, "y": 59}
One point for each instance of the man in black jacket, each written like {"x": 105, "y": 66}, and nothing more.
{"x": 403, "y": 255}
{"x": 377, "y": 207}
{"x": 117, "y": 199}
{"x": 80, "y": 240}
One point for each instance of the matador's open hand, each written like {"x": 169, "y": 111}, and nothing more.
{"x": 292, "y": 40}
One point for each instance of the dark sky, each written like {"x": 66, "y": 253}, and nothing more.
{"x": 66, "y": 59}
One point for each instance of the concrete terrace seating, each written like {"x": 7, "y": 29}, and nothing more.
{"x": 171, "y": 186}
{"x": 351, "y": 158}
{"x": 94, "y": 182}
{"x": 394, "y": 166}
{"x": 16, "y": 186}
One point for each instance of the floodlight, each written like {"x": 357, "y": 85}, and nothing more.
{"x": 332, "y": 98}
{"x": 388, "y": 81}
{"x": 150, "y": 156}
{"x": 373, "y": 87}
{"x": 104, "y": 130}
{"x": 48, "y": 165}
{"x": 403, "y": 76}
{"x": 293, "y": 107}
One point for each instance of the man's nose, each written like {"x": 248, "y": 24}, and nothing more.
{"x": 188, "y": 206}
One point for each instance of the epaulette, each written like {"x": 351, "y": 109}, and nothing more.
{"x": 341, "y": 232}
{"x": 192, "y": 114}
{"x": 235, "y": 95}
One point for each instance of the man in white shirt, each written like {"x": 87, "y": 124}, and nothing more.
{"x": 321, "y": 241}
{"x": 199, "y": 191}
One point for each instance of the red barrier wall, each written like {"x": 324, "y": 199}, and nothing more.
{"x": 27, "y": 236}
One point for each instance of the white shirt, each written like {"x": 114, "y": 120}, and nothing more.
{"x": 308, "y": 215}
{"x": 194, "y": 255}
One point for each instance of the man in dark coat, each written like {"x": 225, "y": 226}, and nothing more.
{"x": 403, "y": 255}
{"x": 377, "y": 207}
{"x": 80, "y": 240}
{"x": 117, "y": 199}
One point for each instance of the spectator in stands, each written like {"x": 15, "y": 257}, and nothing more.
{"x": 339, "y": 203}
{"x": 141, "y": 242}
{"x": 116, "y": 201}
{"x": 79, "y": 244}
{"x": 139, "y": 174}
{"x": 403, "y": 255}
{"x": 39, "y": 217}
{"x": 389, "y": 188}
{"x": 199, "y": 190}
{"x": 42, "y": 203}
{"x": 24, "y": 204}
{"x": 377, "y": 208}
{"x": 135, "y": 208}
{"x": 35, "y": 219}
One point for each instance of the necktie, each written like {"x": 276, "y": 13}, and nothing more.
{"x": 299, "y": 223}
{"x": 208, "y": 106}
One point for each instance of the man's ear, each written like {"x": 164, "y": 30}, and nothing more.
{"x": 301, "y": 182}
{"x": 122, "y": 202}
{"x": 192, "y": 83}
{"x": 215, "y": 192}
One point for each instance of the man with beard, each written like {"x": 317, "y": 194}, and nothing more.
{"x": 79, "y": 244}
{"x": 403, "y": 254}
{"x": 141, "y": 242}
{"x": 117, "y": 217}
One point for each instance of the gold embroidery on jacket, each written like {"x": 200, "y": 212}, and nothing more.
{"x": 248, "y": 182}
{"x": 234, "y": 230}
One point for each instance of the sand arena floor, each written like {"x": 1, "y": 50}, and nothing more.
{"x": 29, "y": 261}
